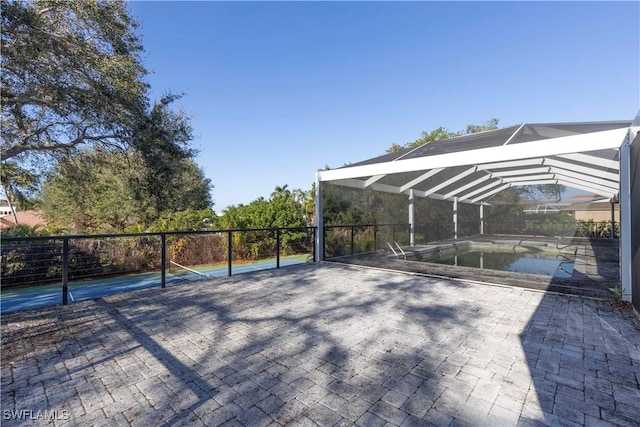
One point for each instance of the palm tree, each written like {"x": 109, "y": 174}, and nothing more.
{"x": 279, "y": 192}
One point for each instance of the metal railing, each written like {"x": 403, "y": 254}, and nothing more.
{"x": 102, "y": 260}
{"x": 88, "y": 259}
{"x": 349, "y": 240}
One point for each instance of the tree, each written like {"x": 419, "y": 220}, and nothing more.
{"x": 281, "y": 192}
{"x": 309, "y": 205}
{"x": 443, "y": 133}
{"x": 488, "y": 125}
{"x": 98, "y": 190}
{"x": 89, "y": 192}
{"x": 434, "y": 135}
{"x": 190, "y": 220}
{"x": 162, "y": 141}
{"x": 71, "y": 75}
{"x": 282, "y": 209}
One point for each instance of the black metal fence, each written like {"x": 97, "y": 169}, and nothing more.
{"x": 349, "y": 240}
{"x": 30, "y": 261}
{"x": 86, "y": 259}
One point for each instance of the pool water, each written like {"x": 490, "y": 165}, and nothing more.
{"x": 545, "y": 263}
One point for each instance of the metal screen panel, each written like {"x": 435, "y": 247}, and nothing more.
{"x": 635, "y": 222}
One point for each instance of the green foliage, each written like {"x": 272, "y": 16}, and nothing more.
{"x": 162, "y": 141}
{"x": 284, "y": 209}
{"x": 553, "y": 224}
{"x": 488, "y": 125}
{"x": 309, "y": 205}
{"x": 100, "y": 191}
{"x": 22, "y": 230}
{"x": 72, "y": 81}
{"x": 90, "y": 193}
{"x": 443, "y": 133}
{"x": 191, "y": 250}
{"x": 71, "y": 75}
{"x": 349, "y": 206}
{"x": 190, "y": 220}
{"x": 591, "y": 228}
{"x": 434, "y": 135}
{"x": 32, "y": 262}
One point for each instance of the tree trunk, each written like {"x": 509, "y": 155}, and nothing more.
{"x": 13, "y": 211}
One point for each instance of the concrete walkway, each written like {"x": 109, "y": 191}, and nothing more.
{"x": 323, "y": 345}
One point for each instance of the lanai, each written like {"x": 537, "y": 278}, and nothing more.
{"x": 598, "y": 157}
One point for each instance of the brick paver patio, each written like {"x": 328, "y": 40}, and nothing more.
{"x": 325, "y": 345}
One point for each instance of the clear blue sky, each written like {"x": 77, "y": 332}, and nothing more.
{"x": 277, "y": 90}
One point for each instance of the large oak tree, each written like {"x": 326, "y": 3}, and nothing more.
{"x": 71, "y": 75}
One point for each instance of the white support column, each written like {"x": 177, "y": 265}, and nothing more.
{"x": 319, "y": 220}
{"x": 481, "y": 220}
{"x": 625, "y": 218}
{"x": 455, "y": 218}
{"x": 412, "y": 230}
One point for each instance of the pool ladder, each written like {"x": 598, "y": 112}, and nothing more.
{"x": 398, "y": 247}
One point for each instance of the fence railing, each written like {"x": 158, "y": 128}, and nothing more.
{"x": 343, "y": 240}
{"x": 88, "y": 259}
{"x": 89, "y": 264}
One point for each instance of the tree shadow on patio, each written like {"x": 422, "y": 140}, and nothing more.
{"x": 584, "y": 358}
{"x": 323, "y": 343}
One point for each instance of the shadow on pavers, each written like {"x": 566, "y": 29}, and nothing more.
{"x": 325, "y": 344}
{"x": 584, "y": 360}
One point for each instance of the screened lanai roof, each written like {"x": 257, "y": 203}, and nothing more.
{"x": 474, "y": 167}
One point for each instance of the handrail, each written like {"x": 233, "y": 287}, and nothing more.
{"x": 392, "y": 250}
{"x": 366, "y": 225}
{"x": 404, "y": 255}
{"x": 61, "y": 257}
{"x": 400, "y": 248}
{"x": 148, "y": 234}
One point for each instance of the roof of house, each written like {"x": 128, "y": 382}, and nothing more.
{"x": 30, "y": 218}
{"x": 594, "y": 206}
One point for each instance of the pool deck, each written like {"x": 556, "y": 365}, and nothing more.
{"x": 326, "y": 344}
{"x": 596, "y": 269}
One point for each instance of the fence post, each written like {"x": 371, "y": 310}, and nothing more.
{"x": 375, "y": 237}
{"x": 229, "y": 252}
{"x": 315, "y": 230}
{"x": 352, "y": 237}
{"x": 277, "y": 248}
{"x": 65, "y": 270}
{"x": 324, "y": 239}
{"x": 163, "y": 262}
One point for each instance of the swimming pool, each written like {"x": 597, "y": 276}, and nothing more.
{"x": 518, "y": 258}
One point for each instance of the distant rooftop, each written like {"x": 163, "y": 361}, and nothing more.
{"x": 30, "y": 218}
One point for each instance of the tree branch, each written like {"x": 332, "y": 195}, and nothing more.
{"x": 52, "y": 146}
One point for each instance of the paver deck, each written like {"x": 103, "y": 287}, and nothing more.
{"x": 325, "y": 345}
